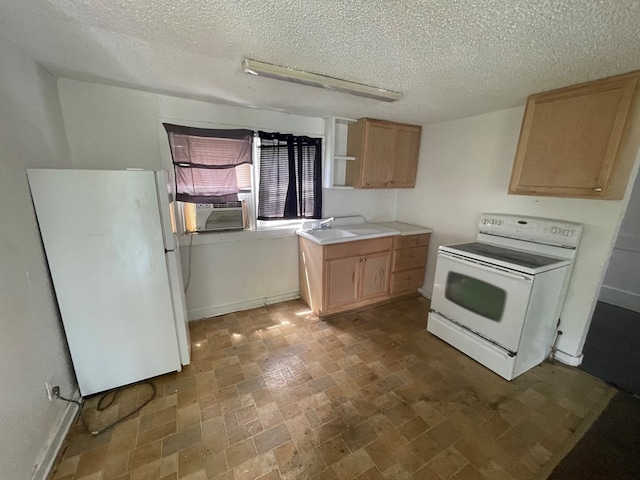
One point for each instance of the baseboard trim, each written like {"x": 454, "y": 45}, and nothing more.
{"x": 425, "y": 293}
{"x": 239, "y": 306}
{"x": 567, "y": 359}
{"x": 620, "y": 298}
{"x": 43, "y": 470}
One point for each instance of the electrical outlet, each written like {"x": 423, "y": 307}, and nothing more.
{"x": 49, "y": 388}
{"x": 56, "y": 391}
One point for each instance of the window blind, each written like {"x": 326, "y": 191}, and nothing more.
{"x": 208, "y": 162}
{"x": 290, "y": 177}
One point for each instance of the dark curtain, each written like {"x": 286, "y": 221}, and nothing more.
{"x": 290, "y": 177}
{"x": 205, "y": 162}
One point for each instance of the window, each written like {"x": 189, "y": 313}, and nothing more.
{"x": 290, "y": 172}
{"x": 207, "y": 162}
{"x": 219, "y": 187}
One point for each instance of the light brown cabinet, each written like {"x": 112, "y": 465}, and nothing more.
{"x": 408, "y": 263}
{"x": 578, "y": 141}
{"x": 386, "y": 154}
{"x": 343, "y": 276}
{"x": 374, "y": 276}
{"x": 341, "y": 286}
{"x": 355, "y": 279}
{"x": 338, "y": 277}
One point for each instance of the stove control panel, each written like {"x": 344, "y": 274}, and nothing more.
{"x": 532, "y": 229}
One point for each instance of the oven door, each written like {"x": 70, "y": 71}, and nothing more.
{"x": 488, "y": 300}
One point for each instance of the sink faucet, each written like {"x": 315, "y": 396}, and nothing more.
{"x": 324, "y": 223}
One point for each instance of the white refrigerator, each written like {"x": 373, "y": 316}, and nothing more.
{"x": 115, "y": 265}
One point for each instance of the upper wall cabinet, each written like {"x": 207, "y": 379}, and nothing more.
{"x": 386, "y": 154}
{"x": 578, "y": 141}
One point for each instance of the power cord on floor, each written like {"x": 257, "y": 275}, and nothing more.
{"x": 114, "y": 394}
{"x": 554, "y": 348}
{"x": 554, "y": 345}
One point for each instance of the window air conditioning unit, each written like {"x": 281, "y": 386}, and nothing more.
{"x": 219, "y": 216}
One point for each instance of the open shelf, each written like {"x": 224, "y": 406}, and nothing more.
{"x": 336, "y": 130}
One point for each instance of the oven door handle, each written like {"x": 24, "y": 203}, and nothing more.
{"x": 487, "y": 268}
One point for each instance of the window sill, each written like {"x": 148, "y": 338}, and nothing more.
{"x": 240, "y": 236}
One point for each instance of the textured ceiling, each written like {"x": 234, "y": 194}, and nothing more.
{"x": 450, "y": 59}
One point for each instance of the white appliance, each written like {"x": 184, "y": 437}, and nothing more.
{"x": 219, "y": 216}
{"x": 115, "y": 265}
{"x": 499, "y": 299}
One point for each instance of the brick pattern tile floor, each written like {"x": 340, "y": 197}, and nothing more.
{"x": 275, "y": 393}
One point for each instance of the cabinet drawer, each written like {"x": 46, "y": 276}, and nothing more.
{"x": 409, "y": 258}
{"x": 359, "y": 247}
{"x": 405, "y": 282}
{"x": 409, "y": 241}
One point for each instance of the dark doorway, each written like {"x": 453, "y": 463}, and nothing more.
{"x": 612, "y": 349}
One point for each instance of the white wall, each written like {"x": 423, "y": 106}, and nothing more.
{"x": 32, "y": 346}
{"x": 464, "y": 170}
{"x": 621, "y": 285}
{"x": 114, "y": 128}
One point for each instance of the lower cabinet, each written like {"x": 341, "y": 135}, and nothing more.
{"x": 341, "y": 286}
{"x": 408, "y": 264}
{"x": 339, "y": 277}
{"x": 356, "y": 279}
{"x": 374, "y": 275}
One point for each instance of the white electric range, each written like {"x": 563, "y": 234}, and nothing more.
{"x": 499, "y": 299}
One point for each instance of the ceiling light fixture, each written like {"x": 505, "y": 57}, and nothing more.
{"x": 262, "y": 69}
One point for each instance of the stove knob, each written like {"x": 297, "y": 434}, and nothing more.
{"x": 566, "y": 232}
{"x": 554, "y": 229}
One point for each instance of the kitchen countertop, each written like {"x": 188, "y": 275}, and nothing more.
{"x": 405, "y": 228}
{"x": 353, "y": 228}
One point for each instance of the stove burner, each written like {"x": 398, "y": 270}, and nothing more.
{"x": 516, "y": 257}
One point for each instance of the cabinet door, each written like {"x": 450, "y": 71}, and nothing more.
{"x": 374, "y": 275}
{"x": 340, "y": 287}
{"x": 570, "y": 138}
{"x": 379, "y": 144}
{"x": 405, "y": 164}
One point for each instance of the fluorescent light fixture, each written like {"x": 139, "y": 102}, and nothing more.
{"x": 262, "y": 69}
